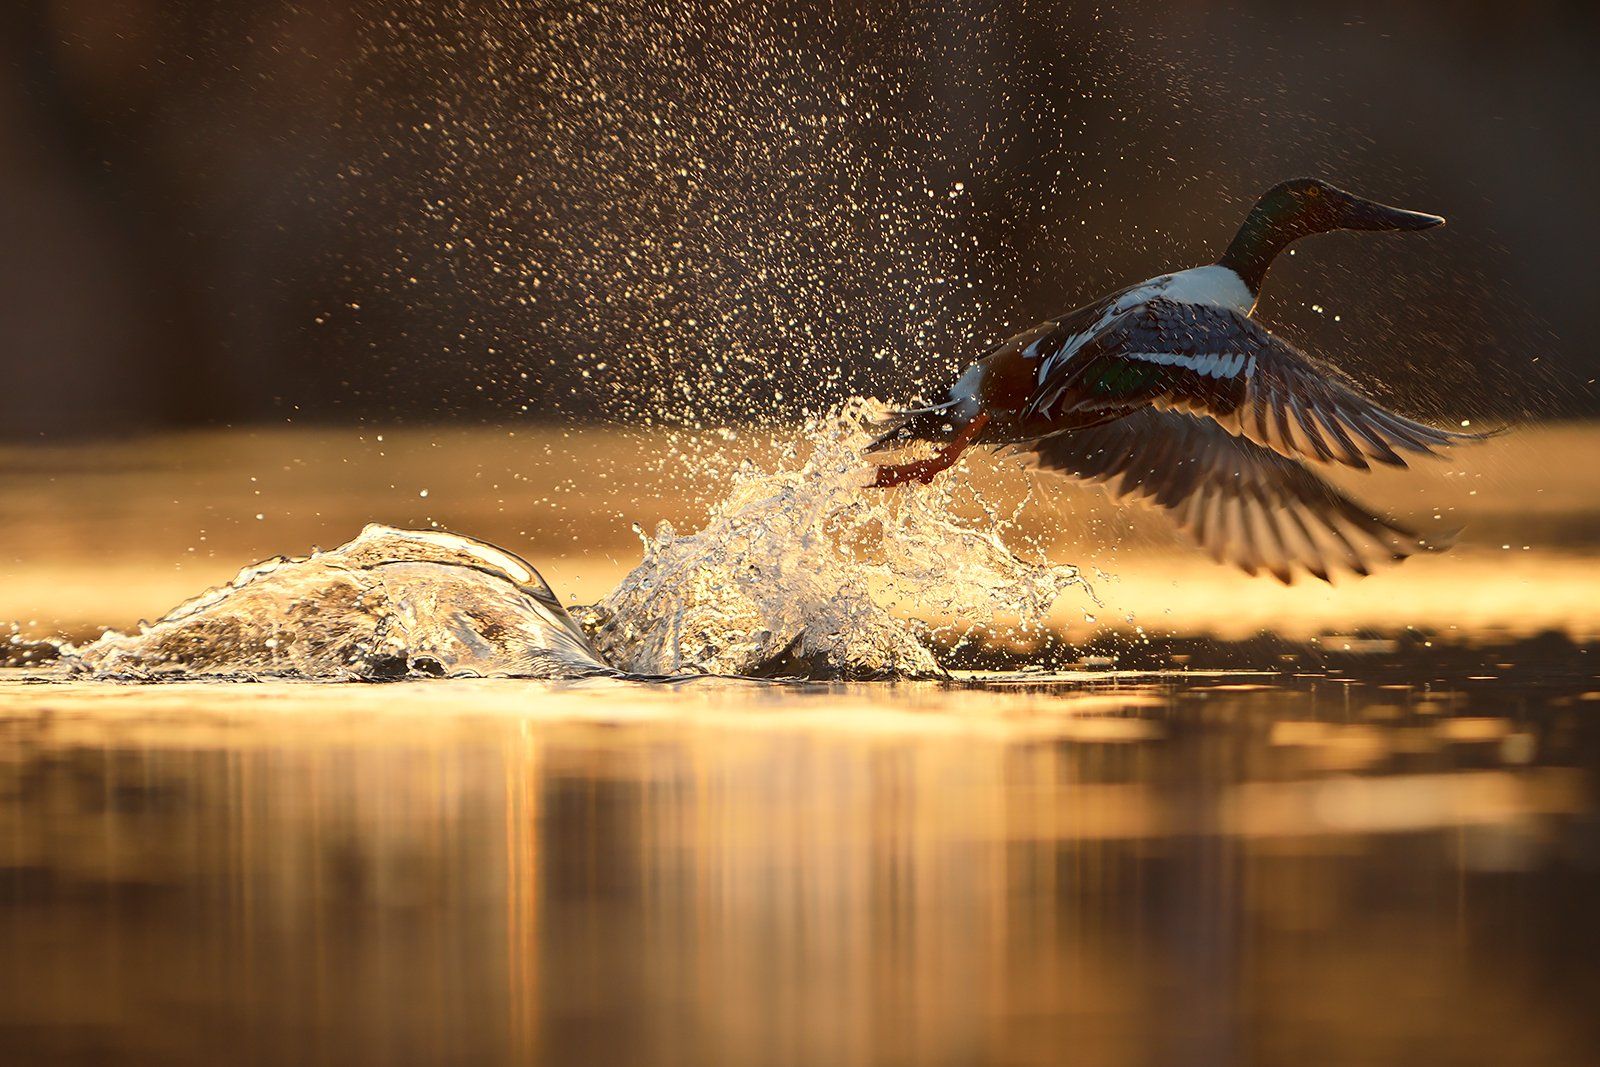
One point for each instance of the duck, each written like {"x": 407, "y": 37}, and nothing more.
{"x": 1172, "y": 394}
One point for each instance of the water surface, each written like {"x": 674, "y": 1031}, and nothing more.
{"x": 1269, "y": 868}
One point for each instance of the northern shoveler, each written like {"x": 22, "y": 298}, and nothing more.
{"x": 1168, "y": 392}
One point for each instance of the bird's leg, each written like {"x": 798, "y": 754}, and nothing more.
{"x": 925, "y": 470}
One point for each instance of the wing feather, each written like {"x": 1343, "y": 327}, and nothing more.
{"x": 1219, "y": 362}
{"x": 1242, "y": 502}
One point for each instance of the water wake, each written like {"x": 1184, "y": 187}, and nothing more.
{"x": 389, "y": 604}
{"x": 799, "y": 570}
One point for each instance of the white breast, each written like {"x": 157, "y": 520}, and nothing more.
{"x": 1214, "y": 285}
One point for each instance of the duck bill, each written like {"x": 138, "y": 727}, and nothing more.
{"x": 1370, "y": 215}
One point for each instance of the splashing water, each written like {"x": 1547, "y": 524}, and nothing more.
{"x": 803, "y": 569}
{"x": 390, "y": 603}
{"x": 798, "y": 570}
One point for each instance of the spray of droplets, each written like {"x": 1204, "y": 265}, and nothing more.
{"x": 802, "y": 568}
{"x": 697, "y": 212}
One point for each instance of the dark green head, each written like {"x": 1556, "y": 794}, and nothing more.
{"x": 1301, "y": 207}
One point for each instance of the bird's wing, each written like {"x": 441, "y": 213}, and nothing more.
{"x": 1243, "y": 503}
{"x": 1047, "y": 339}
{"x": 1219, "y": 362}
{"x": 1054, "y": 341}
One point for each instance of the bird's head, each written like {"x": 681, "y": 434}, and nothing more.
{"x": 1301, "y": 207}
{"x": 1306, "y": 206}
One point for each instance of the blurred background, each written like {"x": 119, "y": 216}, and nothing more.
{"x": 252, "y": 211}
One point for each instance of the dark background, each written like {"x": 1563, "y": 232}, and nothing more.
{"x": 230, "y": 211}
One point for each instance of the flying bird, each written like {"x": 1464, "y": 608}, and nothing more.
{"x": 1170, "y": 393}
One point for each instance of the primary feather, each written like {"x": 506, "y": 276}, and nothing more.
{"x": 1245, "y": 504}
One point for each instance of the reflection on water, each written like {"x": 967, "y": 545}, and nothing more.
{"x": 1211, "y": 872}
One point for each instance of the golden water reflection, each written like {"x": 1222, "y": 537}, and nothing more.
{"x": 1124, "y": 871}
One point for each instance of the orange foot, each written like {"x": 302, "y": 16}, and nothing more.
{"x": 926, "y": 470}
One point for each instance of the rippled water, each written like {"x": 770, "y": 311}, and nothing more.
{"x": 1212, "y": 869}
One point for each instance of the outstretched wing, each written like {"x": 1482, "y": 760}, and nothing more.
{"x": 1219, "y": 362}
{"x": 1243, "y": 503}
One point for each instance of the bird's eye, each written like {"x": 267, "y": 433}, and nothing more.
{"x": 1313, "y": 192}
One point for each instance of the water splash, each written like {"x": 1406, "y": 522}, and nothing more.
{"x": 388, "y": 604}
{"x": 802, "y": 569}
{"x": 798, "y": 570}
